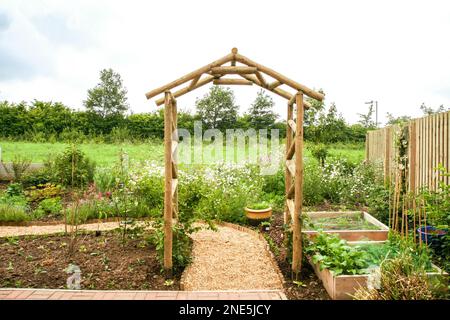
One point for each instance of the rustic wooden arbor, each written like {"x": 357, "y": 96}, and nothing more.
{"x": 250, "y": 73}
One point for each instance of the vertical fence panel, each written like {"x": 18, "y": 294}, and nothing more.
{"x": 429, "y": 147}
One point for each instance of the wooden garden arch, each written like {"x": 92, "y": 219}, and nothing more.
{"x": 249, "y": 73}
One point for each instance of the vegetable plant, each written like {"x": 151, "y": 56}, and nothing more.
{"x": 333, "y": 253}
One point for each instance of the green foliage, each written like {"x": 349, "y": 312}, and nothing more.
{"x": 366, "y": 119}
{"x": 217, "y": 109}
{"x": 105, "y": 179}
{"x": 260, "y": 114}
{"x": 398, "y": 281}
{"x": 259, "y": 205}
{"x": 181, "y": 244}
{"x": 12, "y": 213}
{"x": 437, "y": 203}
{"x": 14, "y": 189}
{"x": 395, "y": 247}
{"x": 334, "y": 254}
{"x": 36, "y": 177}
{"x": 109, "y": 97}
{"x": 45, "y": 191}
{"x": 226, "y": 190}
{"x": 48, "y": 207}
{"x": 320, "y": 152}
{"x": 73, "y": 168}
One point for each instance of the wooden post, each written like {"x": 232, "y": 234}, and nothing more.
{"x": 287, "y": 175}
{"x": 412, "y": 156}
{"x": 175, "y": 156}
{"x": 297, "y": 224}
{"x": 387, "y": 155}
{"x": 168, "y": 184}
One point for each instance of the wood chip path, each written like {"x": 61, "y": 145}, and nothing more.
{"x": 229, "y": 259}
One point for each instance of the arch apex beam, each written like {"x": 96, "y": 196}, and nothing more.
{"x": 189, "y": 76}
{"x": 278, "y": 76}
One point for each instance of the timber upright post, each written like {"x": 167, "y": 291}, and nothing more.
{"x": 168, "y": 205}
{"x": 288, "y": 177}
{"x": 298, "y": 199}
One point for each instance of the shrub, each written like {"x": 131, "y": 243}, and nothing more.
{"x": 312, "y": 184}
{"x": 36, "y": 177}
{"x": 73, "y": 168}
{"x": 14, "y": 190}
{"x": 181, "y": 244}
{"x": 17, "y": 168}
{"x": 319, "y": 151}
{"x": 48, "y": 207}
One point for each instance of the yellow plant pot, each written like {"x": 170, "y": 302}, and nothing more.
{"x": 258, "y": 214}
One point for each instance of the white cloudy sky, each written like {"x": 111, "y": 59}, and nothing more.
{"x": 396, "y": 52}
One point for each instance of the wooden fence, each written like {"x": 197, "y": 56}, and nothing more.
{"x": 427, "y": 146}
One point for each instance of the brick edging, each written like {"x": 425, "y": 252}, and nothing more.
{"x": 251, "y": 232}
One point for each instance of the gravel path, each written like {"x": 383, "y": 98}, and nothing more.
{"x": 230, "y": 260}
{"x": 9, "y": 231}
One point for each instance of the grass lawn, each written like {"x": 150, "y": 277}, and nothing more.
{"x": 107, "y": 154}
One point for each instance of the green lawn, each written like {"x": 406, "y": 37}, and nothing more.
{"x": 107, "y": 154}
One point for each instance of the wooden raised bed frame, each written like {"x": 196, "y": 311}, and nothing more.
{"x": 342, "y": 287}
{"x": 352, "y": 235}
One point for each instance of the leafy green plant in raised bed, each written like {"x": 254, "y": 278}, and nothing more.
{"x": 333, "y": 253}
{"x": 396, "y": 246}
{"x": 347, "y": 222}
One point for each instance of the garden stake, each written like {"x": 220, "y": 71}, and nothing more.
{"x": 425, "y": 222}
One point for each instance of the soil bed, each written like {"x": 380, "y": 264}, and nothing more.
{"x": 105, "y": 263}
{"x": 311, "y": 287}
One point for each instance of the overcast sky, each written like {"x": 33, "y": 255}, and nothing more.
{"x": 395, "y": 52}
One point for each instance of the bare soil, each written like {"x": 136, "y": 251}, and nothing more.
{"x": 309, "y": 286}
{"x": 105, "y": 261}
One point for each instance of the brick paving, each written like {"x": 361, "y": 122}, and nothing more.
{"x": 49, "y": 294}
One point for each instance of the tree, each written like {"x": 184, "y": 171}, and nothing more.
{"x": 217, "y": 108}
{"x": 311, "y": 117}
{"x": 429, "y": 111}
{"x": 260, "y": 113}
{"x": 366, "y": 120}
{"x": 109, "y": 97}
{"x": 331, "y": 126}
{"x": 396, "y": 120}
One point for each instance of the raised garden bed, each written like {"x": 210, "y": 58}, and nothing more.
{"x": 350, "y": 226}
{"x": 342, "y": 287}
{"x": 105, "y": 261}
